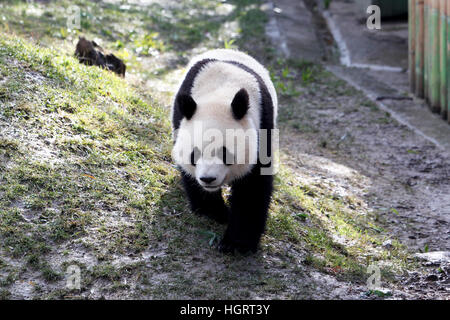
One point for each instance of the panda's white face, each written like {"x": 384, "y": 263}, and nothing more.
{"x": 211, "y": 171}
{"x": 215, "y": 151}
{"x": 220, "y": 113}
{"x": 223, "y": 97}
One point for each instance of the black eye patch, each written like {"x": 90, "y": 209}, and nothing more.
{"x": 195, "y": 155}
{"x": 226, "y": 156}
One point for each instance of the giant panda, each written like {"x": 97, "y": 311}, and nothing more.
{"x": 227, "y": 92}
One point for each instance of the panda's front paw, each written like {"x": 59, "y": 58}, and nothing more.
{"x": 227, "y": 245}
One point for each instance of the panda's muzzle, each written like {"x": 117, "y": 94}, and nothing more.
{"x": 208, "y": 180}
{"x": 209, "y": 183}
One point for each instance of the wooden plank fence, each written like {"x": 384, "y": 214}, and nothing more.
{"x": 429, "y": 53}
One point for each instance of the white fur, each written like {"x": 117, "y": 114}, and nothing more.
{"x": 245, "y": 59}
{"x": 213, "y": 90}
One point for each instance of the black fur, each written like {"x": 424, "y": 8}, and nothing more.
{"x": 206, "y": 203}
{"x": 250, "y": 196}
{"x": 239, "y": 105}
{"x": 115, "y": 64}
{"x": 185, "y": 89}
{"x": 186, "y": 105}
{"x": 195, "y": 155}
{"x": 267, "y": 120}
{"x": 249, "y": 200}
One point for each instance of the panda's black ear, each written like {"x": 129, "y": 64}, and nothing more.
{"x": 186, "y": 105}
{"x": 240, "y": 105}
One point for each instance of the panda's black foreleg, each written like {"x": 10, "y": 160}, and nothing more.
{"x": 250, "y": 200}
{"x": 210, "y": 204}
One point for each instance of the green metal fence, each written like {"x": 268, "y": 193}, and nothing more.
{"x": 429, "y": 53}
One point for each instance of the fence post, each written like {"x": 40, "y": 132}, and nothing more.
{"x": 412, "y": 44}
{"x": 448, "y": 61}
{"x": 443, "y": 57}
{"x": 426, "y": 51}
{"x": 419, "y": 29}
{"x": 434, "y": 57}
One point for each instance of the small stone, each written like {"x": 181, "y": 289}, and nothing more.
{"x": 381, "y": 292}
{"x": 387, "y": 244}
{"x": 277, "y": 10}
{"x": 435, "y": 256}
{"x": 432, "y": 277}
{"x": 413, "y": 277}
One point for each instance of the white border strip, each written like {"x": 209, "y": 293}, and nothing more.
{"x": 343, "y": 49}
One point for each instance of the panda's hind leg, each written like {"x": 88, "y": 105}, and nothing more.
{"x": 250, "y": 200}
{"x": 210, "y": 204}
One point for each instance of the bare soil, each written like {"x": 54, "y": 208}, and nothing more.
{"x": 345, "y": 142}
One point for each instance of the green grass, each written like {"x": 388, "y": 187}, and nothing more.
{"x": 85, "y": 166}
{"x": 102, "y": 149}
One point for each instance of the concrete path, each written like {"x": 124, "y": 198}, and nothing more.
{"x": 382, "y": 52}
{"x": 291, "y": 28}
{"x": 370, "y": 59}
{"x": 385, "y": 48}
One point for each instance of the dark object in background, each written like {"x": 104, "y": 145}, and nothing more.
{"x": 90, "y": 53}
{"x": 86, "y": 53}
{"x": 388, "y": 8}
{"x": 115, "y": 64}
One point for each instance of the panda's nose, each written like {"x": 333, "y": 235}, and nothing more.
{"x": 207, "y": 179}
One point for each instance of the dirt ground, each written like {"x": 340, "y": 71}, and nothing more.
{"x": 403, "y": 177}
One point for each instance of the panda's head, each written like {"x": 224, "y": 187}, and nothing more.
{"x": 216, "y": 141}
